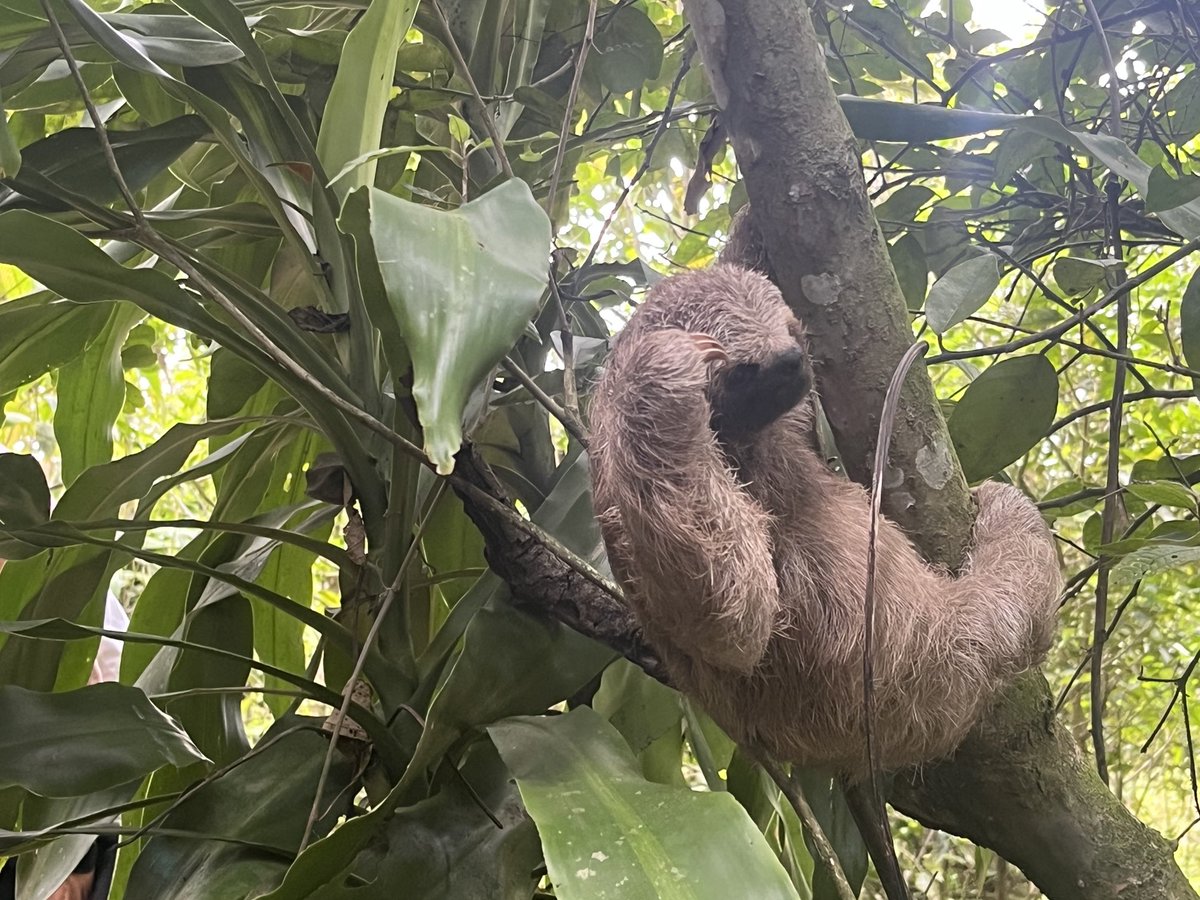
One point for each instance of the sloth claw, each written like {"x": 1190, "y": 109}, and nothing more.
{"x": 710, "y": 348}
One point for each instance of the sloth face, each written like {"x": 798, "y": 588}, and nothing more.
{"x": 746, "y": 397}
{"x": 761, "y": 368}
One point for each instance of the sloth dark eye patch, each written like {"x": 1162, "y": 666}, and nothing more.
{"x": 747, "y": 397}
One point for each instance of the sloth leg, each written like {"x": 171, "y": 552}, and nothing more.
{"x": 696, "y": 545}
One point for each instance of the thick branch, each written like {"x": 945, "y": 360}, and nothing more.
{"x": 540, "y": 580}
{"x": 804, "y": 178}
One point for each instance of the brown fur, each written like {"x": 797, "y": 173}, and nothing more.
{"x": 744, "y": 556}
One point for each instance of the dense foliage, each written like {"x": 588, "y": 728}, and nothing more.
{"x": 246, "y": 327}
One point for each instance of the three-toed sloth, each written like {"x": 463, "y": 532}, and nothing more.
{"x": 745, "y": 557}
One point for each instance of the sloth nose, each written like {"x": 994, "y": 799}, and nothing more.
{"x": 790, "y": 360}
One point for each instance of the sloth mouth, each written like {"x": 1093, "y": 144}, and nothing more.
{"x": 747, "y": 397}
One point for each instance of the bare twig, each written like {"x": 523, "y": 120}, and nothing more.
{"x": 560, "y": 151}
{"x": 647, "y": 158}
{"x": 568, "y": 421}
{"x": 1115, "y": 415}
{"x": 825, "y": 852}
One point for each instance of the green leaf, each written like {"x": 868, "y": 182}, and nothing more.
{"x": 24, "y": 494}
{"x": 961, "y": 291}
{"x": 607, "y": 832}
{"x": 1166, "y": 493}
{"x": 60, "y": 745}
{"x": 1164, "y": 192}
{"x": 912, "y": 269}
{"x": 1077, "y": 275}
{"x": 888, "y": 120}
{"x": 40, "y": 332}
{"x": 10, "y": 153}
{"x": 238, "y": 830}
{"x": 446, "y": 847}
{"x": 73, "y": 160}
{"x": 629, "y": 50}
{"x": 461, "y": 286}
{"x": 1003, "y": 414}
{"x": 353, "y": 120}
{"x": 91, "y": 393}
{"x": 1153, "y": 560}
{"x": 1189, "y": 324}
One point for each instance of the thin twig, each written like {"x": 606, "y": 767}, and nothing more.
{"x": 464, "y": 71}
{"x": 589, "y": 34}
{"x": 1055, "y": 332}
{"x": 825, "y": 852}
{"x": 1115, "y": 416}
{"x": 647, "y": 158}
{"x": 110, "y": 157}
{"x": 348, "y": 694}
{"x": 568, "y": 422}
{"x": 887, "y": 420}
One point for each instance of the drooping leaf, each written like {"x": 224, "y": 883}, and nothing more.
{"x": 607, "y": 832}
{"x": 961, "y": 291}
{"x": 73, "y": 159}
{"x": 1003, "y": 414}
{"x": 91, "y": 393}
{"x": 912, "y": 269}
{"x": 62, "y": 744}
{"x": 461, "y": 285}
{"x": 10, "y": 153}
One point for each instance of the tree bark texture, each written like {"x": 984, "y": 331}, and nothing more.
{"x": 1017, "y": 785}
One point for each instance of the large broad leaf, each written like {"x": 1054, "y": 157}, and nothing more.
{"x": 961, "y": 291}
{"x": 472, "y": 840}
{"x": 255, "y": 814}
{"x": 1003, "y": 414}
{"x": 353, "y": 120}
{"x": 607, "y": 832}
{"x": 59, "y": 745}
{"x": 461, "y": 285}
{"x": 629, "y": 50}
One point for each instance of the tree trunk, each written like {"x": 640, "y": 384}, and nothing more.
{"x": 1017, "y": 785}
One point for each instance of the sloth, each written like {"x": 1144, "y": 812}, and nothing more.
{"x": 744, "y": 557}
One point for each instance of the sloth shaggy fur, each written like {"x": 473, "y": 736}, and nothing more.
{"x": 744, "y": 556}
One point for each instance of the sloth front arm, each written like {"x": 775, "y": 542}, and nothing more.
{"x": 682, "y": 532}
